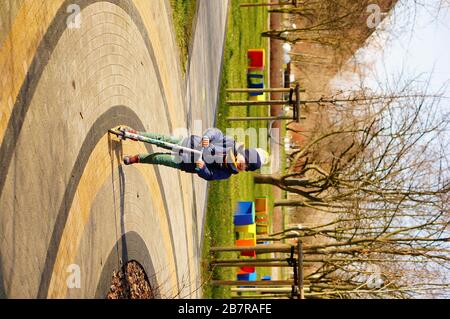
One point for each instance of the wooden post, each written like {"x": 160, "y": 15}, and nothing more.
{"x": 263, "y": 238}
{"x": 262, "y": 292}
{"x": 263, "y": 4}
{"x": 300, "y": 269}
{"x": 248, "y": 90}
{"x": 297, "y": 105}
{"x": 262, "y": 296}
{"x": 294, "y": 102}
{"x": 287, "y": 289}
{"x": 262, "y": 118}
{"x": 244, "y": 260}
{"x": 270, "y": 4}
{"x": 253, "y": 264}
{"x": 251, "y": 283}
{"x": 281, "y": 248}
{"x": 247, "y": 103}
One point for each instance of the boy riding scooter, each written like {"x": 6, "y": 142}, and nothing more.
{"x": 214, "y": 156}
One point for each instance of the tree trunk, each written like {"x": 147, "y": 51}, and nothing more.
{"x": 267, "y": 179}
{"x": 289, "y": 203}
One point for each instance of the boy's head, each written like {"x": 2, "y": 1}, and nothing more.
{"x": 250, "y": 159}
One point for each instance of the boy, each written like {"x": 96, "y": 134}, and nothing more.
{"x": 222, "y": 155}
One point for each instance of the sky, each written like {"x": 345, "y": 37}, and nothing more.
{"x": 423, "y": 47}
{"x": 418, "y": 42}
{"x": 415, "y": 42}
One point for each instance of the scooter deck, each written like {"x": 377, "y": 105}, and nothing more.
{"x": 124, "y": 135}
{"x": 116, "y": 132}
{"x": 120, "y": 134}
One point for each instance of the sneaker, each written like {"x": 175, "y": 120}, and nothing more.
{"x": 128, "y": 160}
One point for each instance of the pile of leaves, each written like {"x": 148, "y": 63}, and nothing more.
{"x": 130, "y": 282}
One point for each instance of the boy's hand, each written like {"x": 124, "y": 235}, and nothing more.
{"x": 205, "y": 141}
{"x": 200, "y": 164}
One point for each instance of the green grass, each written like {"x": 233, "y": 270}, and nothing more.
{"x": 183, "y": 18}
{"x": 244, "y": 27}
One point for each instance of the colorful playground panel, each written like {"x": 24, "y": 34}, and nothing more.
{"x": 262, "y": 226}
{"x": 244, "y": 214}
{"x": 249, "y": 229}
{"x": 261, "y": 204}
{"x": 247, "y": 269}
{"x": 250, "y": 219}
{"x": 261, "y": 218}
{"x": 262, "y": 229}
{"x": 245, "y": 243}
{"x": 261, "y": 97}
{"x": 255, "y": 71}
{"x": 247, "y": 276}
{"x": 240, "y": 235}
{"x": 255, "y": 80}
{"x": 256, "y": 58}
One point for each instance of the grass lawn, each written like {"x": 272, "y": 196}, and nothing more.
{"x": 244, "y": 27}
{"x": 183, "y": 18}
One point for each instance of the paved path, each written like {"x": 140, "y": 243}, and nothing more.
{"x": 66, "y": 202}
{"x": 203, "y": 81}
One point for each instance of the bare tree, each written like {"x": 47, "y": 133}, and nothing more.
{"x": 380, "y": 167}
{"x": 340, "y": 24}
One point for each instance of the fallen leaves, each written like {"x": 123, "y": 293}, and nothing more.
{"x": 130, "y": 282}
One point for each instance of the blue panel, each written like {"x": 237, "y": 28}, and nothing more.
{"x": 248, "y": 277}
{"x": 244, "y": 214}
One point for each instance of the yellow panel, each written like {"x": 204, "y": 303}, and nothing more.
{"x": 246, "y": 229}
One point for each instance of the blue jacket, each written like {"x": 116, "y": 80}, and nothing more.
{"x": 215, "y": 167}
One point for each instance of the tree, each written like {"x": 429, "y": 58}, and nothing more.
{"x": 371, "y": 148}
{"x": 380, "y": 167}
{"x": 335, "y": 23}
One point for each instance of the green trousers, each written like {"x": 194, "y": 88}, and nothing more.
{"x": 165, "y": 159}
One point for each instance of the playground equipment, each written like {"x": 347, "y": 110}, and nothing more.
{"x": 257, "y": 59}
{"x": 255, "y": 89}
{"x": 245, "y": 228}
{"x": 249, "y": 229}
{"x": 251, "y": 217}
{"x": 245, "y": 233}
{"x": 248, "y": 219}
{"x": 244, "y": 214}
{"x": 295, "y": 261}
{"x": 262, "y": 216}
{"x": 255, "y": 72}
{"x": 292, "y": 101}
